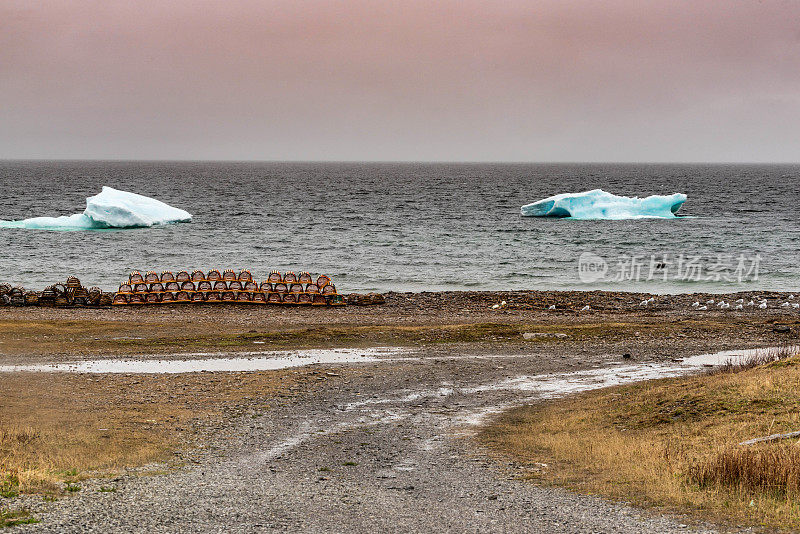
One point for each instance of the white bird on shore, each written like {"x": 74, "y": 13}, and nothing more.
{"x": 724, "y": 305}
{"x": 739, "y": 307}
{"x": 721, "y": 304}
{"x": 795, "y": 305}
{"x": 740, "y": 301}
{"x": 785, "y": 305}
{"x": 790, "y": 297}
{"x": 585, "y": 308}
{"x": 552, "y": 307}
{"x": 751, "y": 303}
{"x": 695, "y": 304}
{"x": 703, "y": 308}
{"x": 651, "y": 300}
{"x": 495, "y": 306}
{"x": 763, "y": 306}
{"x": 644, "y": 303}
{"x": 710, "y": 301}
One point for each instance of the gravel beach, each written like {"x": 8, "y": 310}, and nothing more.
{"x": 388, "y": 445}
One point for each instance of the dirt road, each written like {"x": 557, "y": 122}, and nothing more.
{"x": 384, "y": 446}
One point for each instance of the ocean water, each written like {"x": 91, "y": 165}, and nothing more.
{"x": 413, "y": 227}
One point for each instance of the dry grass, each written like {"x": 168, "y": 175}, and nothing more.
{"x": 25, "y": 338}
{"x": 772, "y": 469}
{"x": 126, "y": 332}
{"x": 57, "y": 428}
{"x": 671, "y": 443}
{"x": 757, "y": 358}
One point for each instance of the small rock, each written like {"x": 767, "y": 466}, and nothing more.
{"x": 782, "y": 328}
{"x": 626, "y": 356}
{"x": 534, "y": 335}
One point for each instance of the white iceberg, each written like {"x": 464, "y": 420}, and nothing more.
{"x": 597, "y": 204}
{"x": 111, "y": 208}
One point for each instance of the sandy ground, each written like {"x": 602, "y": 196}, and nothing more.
{"x": 386, "y": 446}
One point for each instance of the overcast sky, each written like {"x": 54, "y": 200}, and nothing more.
{"x": 446, "y": 80}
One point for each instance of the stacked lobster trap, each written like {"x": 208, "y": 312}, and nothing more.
{"x": 66, "y": 295}
{"x": 227, "y": 286}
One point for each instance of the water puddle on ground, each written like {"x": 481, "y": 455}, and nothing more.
{"x": 254, "y": 361}
{"x": 555, "y": 385}
{"x": 738, "y": 356}
{"x": 529, "y": 388}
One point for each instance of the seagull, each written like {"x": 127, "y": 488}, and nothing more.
{"x": 763, "y": 305}
{"x": 739, "y": 307}
{"x": 740, "y": 301}
{"x": 785, "y": 305}
{"x": 710, "y": 301}
{"x": 503, "y": 304}
{"x": 703, "y": 308}
{"x": 585, "y": 308}
{"x": 644, "y": 303}
{"x": 552, "y": 307}
{"x": 724, "y": 305}
{"x": 495, "y": 306}
{"x": 790, "y": 297}
{"x": 795, "y": 305}
{"x": 751, "y": 303}
{"x": 651, "y": 300}
{"x": 695, "y": 304}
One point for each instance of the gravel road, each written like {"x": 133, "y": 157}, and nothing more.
{"x": 376, "y": 447}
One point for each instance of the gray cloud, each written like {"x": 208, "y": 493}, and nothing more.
{"x": 552, "y": 80}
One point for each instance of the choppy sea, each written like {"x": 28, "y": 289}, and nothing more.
{"x": 414, "y": 227}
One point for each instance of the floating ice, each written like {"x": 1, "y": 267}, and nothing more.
{"x": 597, "y": 204}
{"x": 110, "y": 208}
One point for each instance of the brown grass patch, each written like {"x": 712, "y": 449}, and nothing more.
{"x": 60, "y": 427}
{"x": 772, "y": 469}
{"x": 24, "y": 333}
{"x": 25, "y": 338}
{"x": 671, "y": 443}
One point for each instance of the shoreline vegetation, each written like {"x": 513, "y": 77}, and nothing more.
{"x": 59, "y": 429}
{"x": 676, "y": 445}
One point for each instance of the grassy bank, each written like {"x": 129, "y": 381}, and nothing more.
{"x": 86, "y": 337}
{"x": 672, "y": 444}
{"x": 57, "y": 428}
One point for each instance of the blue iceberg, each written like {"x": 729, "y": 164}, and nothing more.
{"x": 597, "y": 204}
{"x": 111, "y": 208}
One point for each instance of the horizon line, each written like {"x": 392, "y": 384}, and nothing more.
{"x": 398, "y": 161}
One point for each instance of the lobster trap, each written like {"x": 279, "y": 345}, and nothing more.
{"x": 215, "y": 286}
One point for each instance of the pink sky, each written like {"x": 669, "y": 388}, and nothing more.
{"x": 551, "y": 80}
